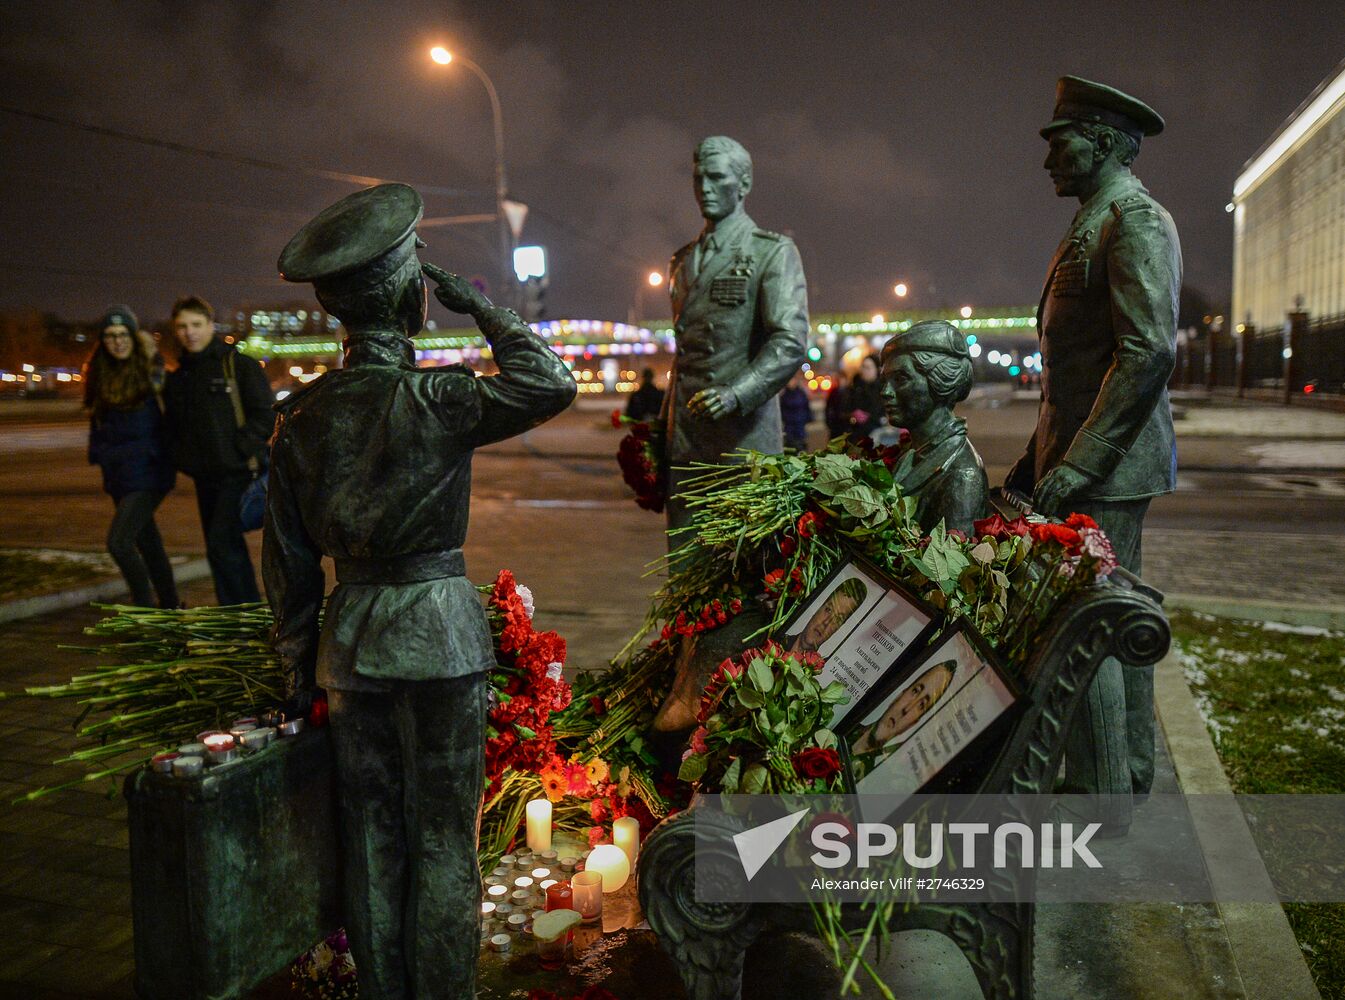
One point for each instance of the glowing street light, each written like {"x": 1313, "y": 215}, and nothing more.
{"x": 966, "y": 312}
{"x": 655, "y": 278}
{"x": 900, "y": 289}
{"x": 443, "y": 57}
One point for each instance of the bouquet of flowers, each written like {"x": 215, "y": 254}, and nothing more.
{"x": 762, "y": 723}
{"x": 326, "y": 971}
{"x": 640, "y": 456}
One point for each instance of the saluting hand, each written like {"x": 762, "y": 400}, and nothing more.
{"x": 455, "y": 292}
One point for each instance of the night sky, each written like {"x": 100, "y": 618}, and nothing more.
{"x": 893, "y": 141}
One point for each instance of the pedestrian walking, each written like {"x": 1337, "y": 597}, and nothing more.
{"x": 219, "y": 419}
{"x": 796, "y": 412}
{"x": 865, "y": 399}
{"x": 123, "y": 382}
{"x": 646, "y": 401}
{"x": 838, "y": 411}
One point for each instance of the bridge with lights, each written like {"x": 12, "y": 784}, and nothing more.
{"x": 607, "y": 356}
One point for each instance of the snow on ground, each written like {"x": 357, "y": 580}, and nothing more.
{"x": 1259, "y": 421}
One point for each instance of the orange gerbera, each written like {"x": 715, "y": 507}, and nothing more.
{"x": 554, "y": 784}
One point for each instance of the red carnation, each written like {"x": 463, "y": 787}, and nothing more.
{"x": 774, "y": 580}
{"x": 809, "y": 523}
{"x": 1058, "y": 533}
{"x": 816, "y": 762}
{"x": 1077, "y": 521}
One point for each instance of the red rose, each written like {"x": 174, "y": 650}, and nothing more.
{"x": 787, "y": 546}
{"x": 816, "y": 762}
{"x": 1077, "y": 521}
{"x": 736, "y": 606}
{"x": 616, "y": 418}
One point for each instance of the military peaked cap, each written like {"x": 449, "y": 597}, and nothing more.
{"x": 934, "y": 335}
{"x": 1079, "y": 100}
{"x": 359, "y": 230}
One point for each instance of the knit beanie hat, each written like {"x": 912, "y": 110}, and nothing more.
{"x": 119, "y": 316}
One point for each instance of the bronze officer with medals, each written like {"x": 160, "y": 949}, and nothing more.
{"x": 1104, "y": 444}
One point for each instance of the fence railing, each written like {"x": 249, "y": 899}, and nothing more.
{"x": 1305, "y": 356}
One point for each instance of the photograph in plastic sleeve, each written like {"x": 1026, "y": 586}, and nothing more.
{"x": 898, "y": 624}
{"x": 908, "y": 735}
{"x": 840, "y": 604}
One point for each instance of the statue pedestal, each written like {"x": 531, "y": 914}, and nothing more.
{"x": 234, "y": 873}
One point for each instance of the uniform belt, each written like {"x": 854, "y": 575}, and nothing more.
{"x": 417, "y": 567}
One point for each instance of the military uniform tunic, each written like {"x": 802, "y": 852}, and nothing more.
{"x": 1107, "y": 320}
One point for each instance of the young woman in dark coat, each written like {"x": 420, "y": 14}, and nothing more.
{"x": 122, "y": 381}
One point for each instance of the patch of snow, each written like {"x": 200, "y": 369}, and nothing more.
{"x": 1285, "y": 748}
{"x": 1294, "y": 629}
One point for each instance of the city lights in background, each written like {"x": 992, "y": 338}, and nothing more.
{"x": 877, "y": 319}
{"x": 441, "y": 55}
{"x": 900, "y": 290}
{"x": 965, "y": 312}
{"x": 655, "y": 279}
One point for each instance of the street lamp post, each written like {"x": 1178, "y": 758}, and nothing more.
{"x": 443, "y": 57}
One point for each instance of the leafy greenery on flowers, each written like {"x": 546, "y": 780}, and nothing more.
{"x": 761, "y": 726}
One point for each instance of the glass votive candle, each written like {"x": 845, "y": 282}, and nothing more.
{"x": 559, "y": 896}
{"x": 586, "y": 888}
{"x": 497, "y": 893}
{"x": 551, "y": 953}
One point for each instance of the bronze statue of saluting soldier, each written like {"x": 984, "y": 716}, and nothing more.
{"x": 371, "y": 467}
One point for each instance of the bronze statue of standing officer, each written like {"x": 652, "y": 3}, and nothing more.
{"x": 1104, "y": 444}
{"x": 740, "y": 314}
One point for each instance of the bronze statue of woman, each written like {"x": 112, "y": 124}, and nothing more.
{"x": 926, "y": 370}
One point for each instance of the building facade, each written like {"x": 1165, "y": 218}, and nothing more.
{"x": 1289, "y": 217}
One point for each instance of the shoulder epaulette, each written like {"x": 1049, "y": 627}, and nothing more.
{"x": 1127, "y": 204}
{"x": 766, "y": 234}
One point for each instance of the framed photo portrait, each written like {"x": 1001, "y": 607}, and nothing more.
{"x": 906, "y": 733}
{"x": 862, "y": 623}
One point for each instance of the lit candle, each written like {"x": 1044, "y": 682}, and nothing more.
{"x": 487, "y": 909}
{"x": 559, "y": 896}
{"x": 586, "y": 890}
{"x": 539, "y": 825}
{"x": 523, "y": 882}
{"x": 546, "y": 883}
{"x": 541, "y": 873}
{"x": 218, "y": 741}
{"x": 611, "y": 863}
{"x": 497, "y": 892}
{"x": 626, "y": 835}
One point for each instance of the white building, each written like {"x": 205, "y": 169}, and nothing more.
{"x": 1289, "y": 215}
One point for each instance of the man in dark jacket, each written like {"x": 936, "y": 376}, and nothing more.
{"x": 209, "y": 443}
{"x": 646, "y": 401}
{"x": 371, "y": 466}
{"x": 796, "y": 412}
